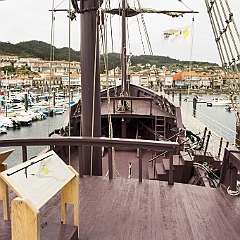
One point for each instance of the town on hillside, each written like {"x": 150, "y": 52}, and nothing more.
{"x": 35, "y": 73}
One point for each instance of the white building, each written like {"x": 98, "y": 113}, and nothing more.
{"x": 75, "y": 80}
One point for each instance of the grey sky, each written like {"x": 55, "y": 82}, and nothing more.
{"x": 31, "y": 20}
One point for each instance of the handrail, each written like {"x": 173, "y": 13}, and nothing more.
{"x": 230, "y": 168}
{"x": 53, "y": 142}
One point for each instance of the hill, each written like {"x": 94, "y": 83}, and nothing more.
{"x": 39, "y": 49}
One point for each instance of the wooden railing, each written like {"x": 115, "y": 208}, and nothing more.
{"x": 79, "y": 142}
{"x": 230, "y": 168}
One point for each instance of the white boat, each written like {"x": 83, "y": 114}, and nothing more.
{"x": 198, "y": 98}
{"x": 219, "y": 102}
{"x": 3, "y": 129}
{"x": 8, "y": 122}
{"x": 23, "y": 120}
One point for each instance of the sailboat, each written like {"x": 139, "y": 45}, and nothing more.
{"x": 138, "y": 171}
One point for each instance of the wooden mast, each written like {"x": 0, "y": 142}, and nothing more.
{"x": 90, "y": 79}
{"x": 124, "y": 50}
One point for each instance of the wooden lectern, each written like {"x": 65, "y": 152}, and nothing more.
{"x": 35, "y": 182}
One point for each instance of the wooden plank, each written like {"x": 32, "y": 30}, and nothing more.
{"x": 70, "y": 195}
{"x": 4, "y": 155}
{"x": 24, "y": 216}
{"x": 160, "y": 169}
{"x": 177, "y": 160}
{"x": 4, "y": 194}
{"x": 166, "y": 164}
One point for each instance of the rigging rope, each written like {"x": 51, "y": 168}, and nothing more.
{"x": 222, "y": 19}
{"x": 191, "y": 51}
{"x": 185, "y": 5}
{"x": 145, "y": 30}
{"x": 52, "y": 59}
{"x": 69, "y": 82}
{"x": 105, "y": 51}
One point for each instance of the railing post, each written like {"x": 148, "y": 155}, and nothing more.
{"x": 150, "y": 107}
{"x": 110, "y": 165}
{"x": 114, "y": 106}
{"x": 225, "y": 164}
{"x": 24, "y": 153}
{"x": 233, "y": 179}
{"x": 204, "y": 136}
{"x": 170, "y": 179}
{"x": 206, "y": 147}
{"x": 140, "y": 164}
{"x": 220, "y": 147}
{"x": 80, "y": 162}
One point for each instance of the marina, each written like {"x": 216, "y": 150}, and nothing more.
{"x": 36, "y": 129}
{"x": 222, "y": 122}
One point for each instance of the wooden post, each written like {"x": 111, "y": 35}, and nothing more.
{"x": 24, "y": 153}
{"x": 206, "y": 147}
{"x": 204, "y": 136}
{"x": 194, "y": 106}
{"x": 4, "y": 194}
{"x": 170, "y": 177}
{"x": 220, "y": 147}
{"x": 3, "y": 186}
{"x": 138, "y": 137}
{"x": 25, "y": 220}
{"x": 140, "y": 164}
{"x": 80, "y": 162}
{"x": 70, "y": 195}
{"x": 110, "y": 163}
{"x": 233, "y": 179}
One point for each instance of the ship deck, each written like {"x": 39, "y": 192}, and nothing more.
{"x": 127, "y": 209}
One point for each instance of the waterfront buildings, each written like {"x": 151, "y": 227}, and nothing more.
{"x": 62, "y": 74}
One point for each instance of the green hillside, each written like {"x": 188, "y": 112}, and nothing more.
{"x": 39, "y": 49}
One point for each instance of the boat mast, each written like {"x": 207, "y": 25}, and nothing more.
{"x": 124, "y": 50}
{"x": 90, "y": 80}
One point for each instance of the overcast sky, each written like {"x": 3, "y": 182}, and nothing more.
{"x": 24, "y": 20}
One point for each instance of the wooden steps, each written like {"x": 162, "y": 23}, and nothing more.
{"x": 188, "y": 163}
{"x": 162, "y": 169}
{"x": 161, "y": 172}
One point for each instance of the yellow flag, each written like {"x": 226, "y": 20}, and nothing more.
{"x": 177, "y": 35}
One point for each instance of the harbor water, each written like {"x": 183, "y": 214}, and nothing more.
{"x": 216, "y": 118}
{"x": 39, "y": 129}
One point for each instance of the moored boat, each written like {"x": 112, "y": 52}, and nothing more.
{"x": 217, "y": 101}
{"x": 3, "y": 129}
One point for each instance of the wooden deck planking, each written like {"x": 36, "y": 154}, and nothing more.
{"x": 126, "y": 209}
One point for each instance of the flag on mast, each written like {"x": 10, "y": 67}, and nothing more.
{"x": 177, "y": 35}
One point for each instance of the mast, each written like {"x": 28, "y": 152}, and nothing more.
{"x": 90, "y": 80}
{"x": 124, "y": 50}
